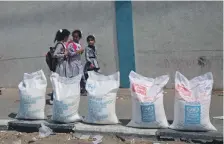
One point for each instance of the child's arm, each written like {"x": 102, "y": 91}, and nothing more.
{"x": 57, "y": 52}
{"x": 80, "y": 51}
{"x": 71, "y": 49}
{"x": 96, "y": 54}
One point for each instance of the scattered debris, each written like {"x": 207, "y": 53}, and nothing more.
{"x": 97, "y": 139}
{"x": 33, "y": 140}
{"x": 44, "y": 131}
{"x": 76, "y": 135}
{"x": 84, "y": 142}
{"x": 85, "y": 137}
{"x": 120, "y": 137}
{"x": 97, "y": 142}
{"x": 17, "y": 142}
{"x": 132, "y": 141}
{"x": 2, "y": 131}
{"x": 19, "y": 134}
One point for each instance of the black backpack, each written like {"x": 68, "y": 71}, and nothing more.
{"x": 50, "y": 60}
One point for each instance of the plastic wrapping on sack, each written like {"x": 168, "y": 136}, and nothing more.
{"x": 44, "y": 131}
{"x": 192, "y": 103}
{"x": 102, "y": 93}
{"x": 147, "y": 101}
{"x": 66, "y": 98}
{"x": 32, "y": 91}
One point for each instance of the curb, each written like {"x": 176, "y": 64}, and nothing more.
{"x": 115, "y": 129}
{"x": 189, "y": 135}
{"x": 4, "y": 124}
{"x": 33, "y": 126}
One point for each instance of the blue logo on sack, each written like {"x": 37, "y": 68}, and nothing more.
{"x": 97, "y": 109}
{"x": 26, "y": 106}
{"x": 91, "y": 87}
{"x": 192, "y": 114}
{"x": 148, "y": 112}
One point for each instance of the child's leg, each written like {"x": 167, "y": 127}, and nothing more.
{"x": 52, "y": 98}
{"x": 86, "y": 76}
{"x": 86, "y": 71}
{"x": 83, "y": 81}
{"x": 82, "y": 85}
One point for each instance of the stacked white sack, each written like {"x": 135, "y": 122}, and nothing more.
{"x": 32, "y": 96}
{"x": 102, "y": 93}
{"x": 192, "y": 103}
{"x": 66, "y": 98}
{"x": 147, "y": 101}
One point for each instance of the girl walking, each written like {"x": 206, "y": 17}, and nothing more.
{"x": 91, "y": 56}
{"x": 75, "y": 51}
{"x": 61, "y": 53}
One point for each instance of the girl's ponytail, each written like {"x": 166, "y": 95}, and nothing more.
{"x": 58, "y": 35}
{"x": 61, "y": 34}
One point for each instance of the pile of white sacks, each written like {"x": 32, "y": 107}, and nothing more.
{"x": 191, "y": 110}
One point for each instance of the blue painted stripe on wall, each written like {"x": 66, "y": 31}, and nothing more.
{"x": 125, "y": 40}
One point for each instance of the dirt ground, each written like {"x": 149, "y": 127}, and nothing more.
{"x": 13, "y": 137}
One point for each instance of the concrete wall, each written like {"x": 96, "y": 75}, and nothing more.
{"x": 27, "y": 29}
{"x": 184, "y": 36}
{"x": 168, "y": 36}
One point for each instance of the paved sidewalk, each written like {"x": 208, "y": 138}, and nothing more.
{"x": 9, "y": 103}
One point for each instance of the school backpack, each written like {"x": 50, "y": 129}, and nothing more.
{"x": 75, "y": 46}
{"x": 50, "y": 60}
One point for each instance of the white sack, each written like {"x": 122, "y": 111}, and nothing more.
{"x": 66, "y": 98}
{"x": 32, "y": 96}
{"x": 192, "y": 103}
{"x": 102, "y": 93}
{"x": 147, "y": 101}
